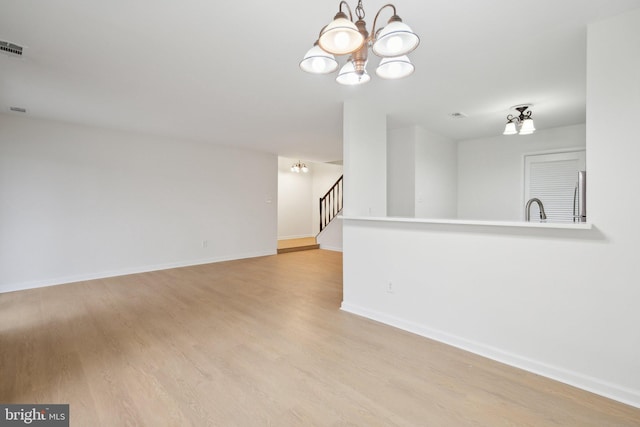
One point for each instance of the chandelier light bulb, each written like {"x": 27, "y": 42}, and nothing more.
{"x": 341, "y": 40}
{"x": 527, "y": 127}
{"x": 341, "y": 36}
{"x": 318, "y": 65}
{"x": 510, "y": 129}
{"x": 317, "y": 61}
{"x": 395, "y": 68}
{"x": 396, "y": 39}
{"x": 394, "y": 43}
{"x": 349, "y": 77}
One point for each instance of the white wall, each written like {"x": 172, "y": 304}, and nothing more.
{"x": 401, "y": 172}
{"x": 294, "y": 201}
{"x": 365, "y": 159}
{"x": 562, "y": 303}
{"x": 331, "y": 236}
{"x": 421, "y": 174}
{"x": 436, "y": 175}
{"x": 81, "y": 202}
{"x": 299, "y": 195}
{"x": 490, "y": 170}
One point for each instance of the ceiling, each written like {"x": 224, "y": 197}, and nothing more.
{"x": 227, "y": 72}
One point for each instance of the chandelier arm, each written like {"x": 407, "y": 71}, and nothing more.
{"x": 520, "y": 118}
{"x": 524, "y": 114}
{"x": 320, "y": 33}
{"x": 343, "y": 2}
{"x": 373, "y": 30}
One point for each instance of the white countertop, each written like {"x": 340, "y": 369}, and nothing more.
{"x": 532, "y": 224}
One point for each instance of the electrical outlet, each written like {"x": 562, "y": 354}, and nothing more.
{"x": 205, "y": 243}
{"x": 390, "y": 288}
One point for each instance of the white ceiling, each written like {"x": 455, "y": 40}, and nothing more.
{"x": 227, "y": 72}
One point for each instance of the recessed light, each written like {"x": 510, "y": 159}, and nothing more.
{"x": 458, "y": 115}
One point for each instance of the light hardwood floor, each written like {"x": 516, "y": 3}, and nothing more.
{"x": 257, "y": 342}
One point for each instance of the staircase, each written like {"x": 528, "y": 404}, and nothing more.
{"x": 294, "y": 245}
{"x": 330, "y": 207}
{"x": 331, "y": 203}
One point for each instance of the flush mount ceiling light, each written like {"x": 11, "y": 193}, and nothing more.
{"x": 344, "y": 37}
{"x": 297, "y": 167}
{"x": 521, "y": 124}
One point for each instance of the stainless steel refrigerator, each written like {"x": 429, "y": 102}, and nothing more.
{"x": 580, "y": 198}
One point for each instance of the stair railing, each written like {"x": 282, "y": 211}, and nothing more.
{"x": 331, "y": 204}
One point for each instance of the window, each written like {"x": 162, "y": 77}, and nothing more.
{"x": 552, "y": 178}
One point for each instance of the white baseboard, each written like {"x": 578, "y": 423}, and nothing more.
{"x": 123, "y": 272}
{"x": 576, "y": 379}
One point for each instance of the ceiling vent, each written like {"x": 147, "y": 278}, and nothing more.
{"x": 18, "y": 109}
{"x": 10, "y": 48}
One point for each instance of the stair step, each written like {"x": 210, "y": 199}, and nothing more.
{"x": 294, "y": 245}
{"x": 298, "y": 248}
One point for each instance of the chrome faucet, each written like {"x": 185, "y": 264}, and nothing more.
{"x": 527, "y": 208}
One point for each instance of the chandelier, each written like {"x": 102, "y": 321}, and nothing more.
{"x": 297, "y": 167}
{"x": 344, "y": 37}
{"x": 521, "y": 124}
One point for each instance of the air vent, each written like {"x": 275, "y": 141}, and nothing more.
{"x": 18, "y": 109}
{"x": 10, "y": 48}
{"x": 458, "y": 115}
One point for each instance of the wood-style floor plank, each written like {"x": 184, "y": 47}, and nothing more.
{"x": 258, "y": 342}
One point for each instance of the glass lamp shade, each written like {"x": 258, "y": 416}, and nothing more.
{"x": 396, "y": 39}
{"x": 341, "y": 36}
{"x": 305, "y": 169}
{"x": 317, "y": 61}
{"x": 527, "y": 127}
{"x": 395, "y": 68}
{"x": 348, "y": 75}
{"x": 295, "y": 168}
{"x": 510, "y": 128}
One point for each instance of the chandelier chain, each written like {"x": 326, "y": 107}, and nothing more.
{"x": 360, "y": 10}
